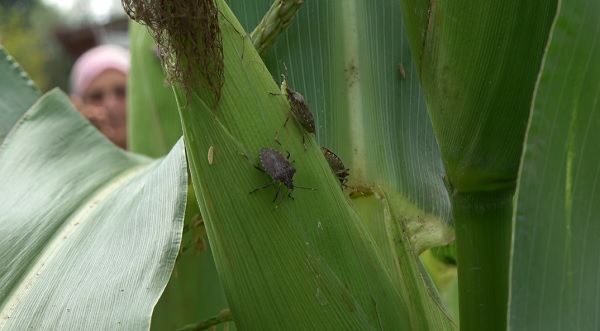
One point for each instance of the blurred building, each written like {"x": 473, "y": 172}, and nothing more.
{"x": 75, "y": 41}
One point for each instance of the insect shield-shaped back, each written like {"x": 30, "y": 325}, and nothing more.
{"x": 299, "y": 108}
{"x": 277, "y": 166}
{"x": 280, "y": 169}
{"x": 336, "y": 164}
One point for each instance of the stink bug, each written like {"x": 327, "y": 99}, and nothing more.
{"x": 298, "y": 107}
{"x": 281, "y": 170}
{"x": 340, "y": 171}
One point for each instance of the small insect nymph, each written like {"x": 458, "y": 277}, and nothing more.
{"x": 211, "y": 154}
{"x": 339, "y": 170}
{"x": 402, "y": 72}
{"x": 281, "y": 170}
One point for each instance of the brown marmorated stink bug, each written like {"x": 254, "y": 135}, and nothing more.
{"x": 339, "y": 170}
{"x": 281, "y": 170}
{"x": 298, "y": 107}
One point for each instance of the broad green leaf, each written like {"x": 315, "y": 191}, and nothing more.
{"x": 554, "y": 279}
{"x": 90, "y": 232}
{"x": 306, "y": 262}
{"x": 17, "y": 92}
{"x": 303, "y": 264}
{"x": 345, "y": 57}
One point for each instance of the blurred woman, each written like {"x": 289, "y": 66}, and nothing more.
{"x": 99, "y": 90}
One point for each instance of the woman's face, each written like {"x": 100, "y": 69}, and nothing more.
{"x": 109, "y": 90}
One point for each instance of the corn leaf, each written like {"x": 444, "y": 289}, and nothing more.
{"x": 90, "y": 232}
{"x": 300, "y": 263}
{"x": 554, "y": 278}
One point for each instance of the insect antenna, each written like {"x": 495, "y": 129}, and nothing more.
{"x": 305, "y": 188}
{"x": 244, "y": 36}
{"x": 253, "y": 164}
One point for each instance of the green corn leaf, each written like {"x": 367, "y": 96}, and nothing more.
{"x": 554, "y": 278}
{"x": 299, "y": 263}
{"x": 347, "y": 64}
{"x": 90, "y": 232}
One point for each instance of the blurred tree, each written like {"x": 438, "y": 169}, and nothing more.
{"x": 23, "y": 43}
{"x": 25, "y": 31}
{"x": 17, "y": 4}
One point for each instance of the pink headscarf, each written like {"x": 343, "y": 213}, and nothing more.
{"x": 94, "y": 62}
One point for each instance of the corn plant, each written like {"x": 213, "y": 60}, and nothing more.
{"x": 472, "y": 121}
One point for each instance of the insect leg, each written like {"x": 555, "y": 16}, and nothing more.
{"x": 260, "y": 188}
{"x": 290, "y": 194}
{"x": 283, "y": 197}
{"x": 303, "y": 144}
{"x": 277, "y": 193}
{"x": 252, "y": 163}
{"x": 288, "y": 152}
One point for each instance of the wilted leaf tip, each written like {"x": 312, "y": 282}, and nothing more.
{"x": 189, "y": 35}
